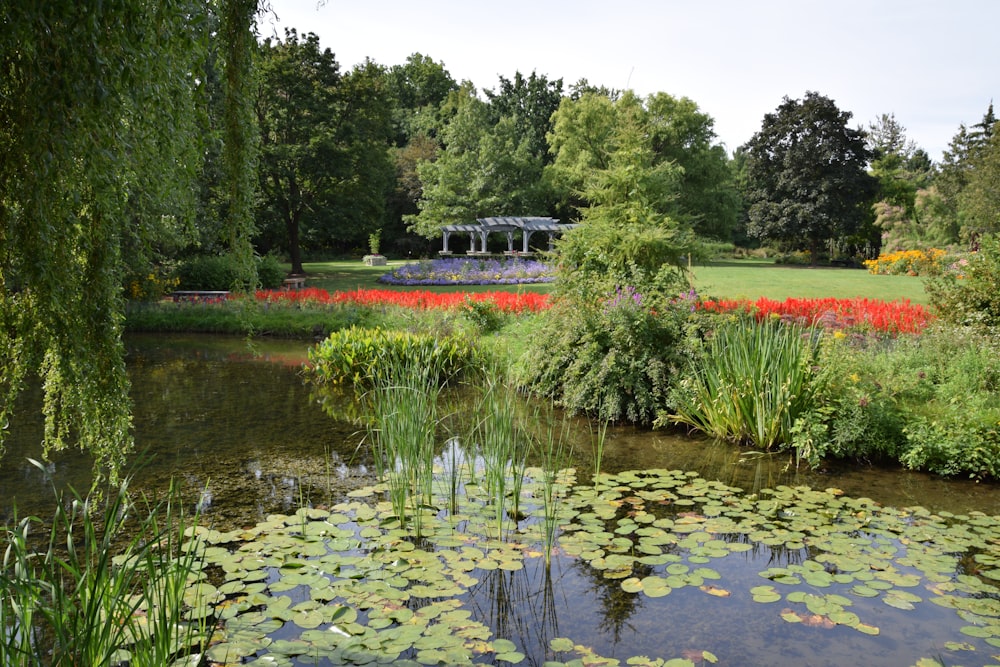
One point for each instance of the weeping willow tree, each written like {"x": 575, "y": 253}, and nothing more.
{"x": 98, "y": 143}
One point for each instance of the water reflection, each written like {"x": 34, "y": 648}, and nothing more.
{"x": 236, "y": 427}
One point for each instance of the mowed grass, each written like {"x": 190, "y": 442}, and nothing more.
{"x": 743, "y": 279}
{"x": 755, "y": 279}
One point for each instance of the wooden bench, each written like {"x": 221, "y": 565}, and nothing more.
{"x": 293, "y": 282}
{"x": 200, "y": 295}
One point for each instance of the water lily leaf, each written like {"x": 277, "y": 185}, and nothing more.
{"x": 561, "y": 644}
{"x": 765, "y": 594}
{"x": 977, "y": 631}
{"x": 790, "y": 616}
{"x": 715, "y": 591}
{"x": 655, "y": 587}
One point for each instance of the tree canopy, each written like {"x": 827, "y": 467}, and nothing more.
{"x": 806, "y": 174}
{"x": 98, "y": 141}
{"x": 324, "y": 164}
{"x": 584, "y": 139}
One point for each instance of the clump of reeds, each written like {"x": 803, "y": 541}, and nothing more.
{"x": 105, "y": 586}
{"x": 751, "y": 382}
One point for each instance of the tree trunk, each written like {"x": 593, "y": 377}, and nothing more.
{"x": 292, "y": 226}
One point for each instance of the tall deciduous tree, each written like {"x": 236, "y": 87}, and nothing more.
{"x": 324, "y": 166}
{"x": 585, "y": 138}
{"x": 96, "y": 134}
{"x": 491, "y": 162}
{"x": 806, "y": 175}
{"x": 626, "y": 238}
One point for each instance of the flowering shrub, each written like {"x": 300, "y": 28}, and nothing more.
{"x": 507, "y": 302}
{"x": 883, "y": 316}
{"x": 907, "y": 263}
{"x": 462, "y": 271}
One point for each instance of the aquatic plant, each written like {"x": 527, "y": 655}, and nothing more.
{"x": 113, "y": 585}
{"x": 367, "y": 357}
{"x": 749, "y": 385}
{"x": 343, "y": 585}
{"x": 403, "y": 403}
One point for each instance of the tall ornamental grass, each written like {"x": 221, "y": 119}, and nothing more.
{"x": 103, "y": 587}
{"x": 750, "y": 383}
{"x": 404, "y": 403}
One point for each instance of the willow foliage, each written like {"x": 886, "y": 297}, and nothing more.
{"x": 97, "y": 146}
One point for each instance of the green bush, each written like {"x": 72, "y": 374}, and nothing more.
{"x": 270, "y": 272}
{"x": 750, "y": 383}
{"x": 366, "y": 357}
{"x": 220, "y": 272}
{"x": 931, "y": 402}
{"x": 616, "y": 359}
{"x": 968, "y": 293}
{"x": 485, "y": 315}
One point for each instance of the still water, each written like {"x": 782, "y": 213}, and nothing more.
{"x": 235, "y": 427}
{"x": 241, "y": 435}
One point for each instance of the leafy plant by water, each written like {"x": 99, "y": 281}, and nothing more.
{"x": 75, "y": 602}
{"x": 750, "y": 383}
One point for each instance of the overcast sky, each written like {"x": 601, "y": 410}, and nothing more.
{"x": 934, "y": 64}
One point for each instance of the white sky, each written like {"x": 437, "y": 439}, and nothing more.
{"x": 934, "y": 64}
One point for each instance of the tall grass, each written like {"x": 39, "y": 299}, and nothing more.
{"x": 404, "y": 403}
{"x": 71, "y": 601}
{"x": 501, "y": 443}
{"x": 750, "y": 383}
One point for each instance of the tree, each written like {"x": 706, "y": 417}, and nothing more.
{"x": 625, "y": 238}
{"x": 491, "y": 163}
{"x": 806, "y": 175}
{"x": 324, "y": 166}
{"x": 418, "y": 87}
{"x": 968, "y": 151}
{"x": 97, "y": 137}
{"x": 585, "y": 138}
{"x": 979, "y": 202}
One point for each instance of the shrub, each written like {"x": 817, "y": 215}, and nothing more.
{"x": 220, "y": 272}
{"x": 907, "y": 263}
{"x": 364, "y": 357}
{"x": 270, "y": 272}
{"x": 931, "y": 402}
{"x": 616, "y": 359}
{"x": 750, "y": 383}
{"x": 969, "y": 294}
{"x": 486, "y": 316}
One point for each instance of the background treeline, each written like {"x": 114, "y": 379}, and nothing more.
{"x": 405, "y": 148}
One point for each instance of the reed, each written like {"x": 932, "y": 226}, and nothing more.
{"x": 501, "y": 445}
{"x": 73, "y": 601}
{"x": 403, "y": 403}
{"x": 751, "y": 383}
{"x": 554, "y": 451}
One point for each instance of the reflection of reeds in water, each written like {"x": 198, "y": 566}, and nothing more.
{"x": 519, "y": 603}
{"x": 553, "y": 451}
{"x": 74, "y": 603}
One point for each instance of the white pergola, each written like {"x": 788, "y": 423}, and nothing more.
{"x": 479, "y": 233}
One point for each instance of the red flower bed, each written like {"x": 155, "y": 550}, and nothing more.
{"x": 884, "y": 316}
{"x": 506, "y": 301}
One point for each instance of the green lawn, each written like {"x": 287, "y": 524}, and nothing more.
{"x": 755, "y": 279}
{"x": 723, "y": 279}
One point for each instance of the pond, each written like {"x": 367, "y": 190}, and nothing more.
{"x": 824, "y": 568}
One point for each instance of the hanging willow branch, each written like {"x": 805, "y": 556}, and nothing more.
{"x": 96, "y": 138}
